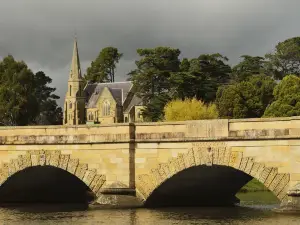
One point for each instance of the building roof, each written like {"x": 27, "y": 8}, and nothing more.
{"x": 134, "y": 102}
{"x": 119, "y": 91}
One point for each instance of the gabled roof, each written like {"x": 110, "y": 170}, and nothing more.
{"x": 135, "y": 101}
{"x": 119, "y": 91}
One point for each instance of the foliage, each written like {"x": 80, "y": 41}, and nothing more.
{"x": 23, "y": 94}
{"x": 246, "y": 99}
{"x": 201, "y": 77}
{"x": 189, "y": 109}
{"x": 287, "y": 98}
{"x": 49, "y": 112}
{"x": 247, "y": 67}
{"x": 285, "y": 59}
{"x": 151, "y": 79}
{"x": 103, "y": 68}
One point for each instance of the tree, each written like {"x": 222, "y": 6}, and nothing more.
{"x": 103, "y": 68}
{"x": 49, "y": 112}
{"x": 151, "y": 79}
{"x": 201, "y": 77}
{"x": 285, "y": 59}
{"x": 287, "y": 98}
{"x": 189, "y": 109}
{"x": 182, "y": 82}
{"x": 18, "y": 105}
{"x": 246, "y": 99}
{"x": 247, "y": 67}
{"x": 22, "y": 93}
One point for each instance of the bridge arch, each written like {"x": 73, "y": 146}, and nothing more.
{"x": 93, "y": 180}
{"x": 212, "y": 155}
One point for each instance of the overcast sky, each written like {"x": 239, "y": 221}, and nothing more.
{"x": 41, "y": 32}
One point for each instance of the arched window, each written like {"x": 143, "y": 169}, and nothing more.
{"x": 70, "y": 105}
{"x": 126, "y": 119}
{"x": 70, "y": 90}
{"x": 106, "y": 108}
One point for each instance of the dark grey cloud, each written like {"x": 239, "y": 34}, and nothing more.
{"x": 40, "y": 32}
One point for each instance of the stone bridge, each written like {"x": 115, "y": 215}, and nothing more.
{"x": 174, "y": 163}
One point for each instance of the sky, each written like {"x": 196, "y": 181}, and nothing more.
{"x": 41, "y": 32}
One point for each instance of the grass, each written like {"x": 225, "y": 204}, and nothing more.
{"x": 253, "y": 186}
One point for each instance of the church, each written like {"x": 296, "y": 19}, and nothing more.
{"x": 99, "y": 103}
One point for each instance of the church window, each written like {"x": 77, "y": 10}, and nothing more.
{"x": 106, "y": 108}
{"x": 70, "y": 105}
{"x": 70, "y": 90}
{"x": 126, "y": 119}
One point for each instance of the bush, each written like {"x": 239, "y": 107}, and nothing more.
{"x": 189, "y": 109}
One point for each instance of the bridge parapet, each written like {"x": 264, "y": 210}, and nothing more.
{"x": 220, "y": 129}
{"x": 83, "y": 134}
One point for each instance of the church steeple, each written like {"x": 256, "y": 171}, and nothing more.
{"x": 75, "y": 71}
{"x": 74, "y": 107}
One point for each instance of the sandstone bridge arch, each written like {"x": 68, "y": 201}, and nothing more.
{"x": 93, "y": 180}
{"x": 212, "y": 155}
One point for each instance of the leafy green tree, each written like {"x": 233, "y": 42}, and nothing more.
{"x": 287, "y": 98}
{"x": 189, "y": 109}
{"x": 18, "y": 105}
{"x": 104, "y": 67}
{"x": 151, "y": 79}
{"x": 285, "y": 59}
{"x": 247, "y": 67}
{"x": 22, "y": 93}
{"x": 246, "y": 99}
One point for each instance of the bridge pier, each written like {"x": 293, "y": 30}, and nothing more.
{"x": 291, "y": 204}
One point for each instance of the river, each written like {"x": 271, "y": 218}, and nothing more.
{"x": 255, "y": 209}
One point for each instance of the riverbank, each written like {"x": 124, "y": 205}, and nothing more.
{"x": 253, "y": 186}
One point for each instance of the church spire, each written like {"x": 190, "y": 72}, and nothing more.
{"x": 75, "y": 72}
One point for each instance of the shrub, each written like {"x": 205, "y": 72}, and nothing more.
{"x": 189, "y": 109}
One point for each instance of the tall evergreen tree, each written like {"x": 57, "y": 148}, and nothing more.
{"x": 250, "y": 65}
{"x": 285, "y": 59}
{"x": 151, "y": 79}
{"x": 104, "y": 67}
{"x": 200, "y": 77}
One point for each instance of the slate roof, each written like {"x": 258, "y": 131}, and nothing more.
{"x": 119, "y": 91}
{"x": 135, "y": 101}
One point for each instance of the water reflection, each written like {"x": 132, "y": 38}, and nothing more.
{"x": 251, "y": 213}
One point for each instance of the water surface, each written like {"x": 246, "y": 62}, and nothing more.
{"x": 255, "y": 209}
